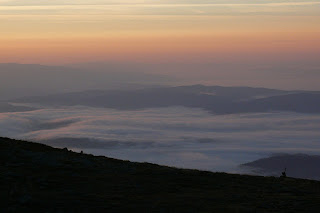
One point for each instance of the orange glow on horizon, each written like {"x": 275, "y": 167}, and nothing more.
{"x": 108, "y": 30}
{"x": 153, "y": 48}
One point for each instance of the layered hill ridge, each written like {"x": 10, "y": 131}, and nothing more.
{"x": 20, "y": 80}
{"x": 216, "y": 99}
{"x": 7, "y": 107}
{"x": 40, "y": 178}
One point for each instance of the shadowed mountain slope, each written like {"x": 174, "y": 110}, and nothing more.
{"x": 43, "y": 179}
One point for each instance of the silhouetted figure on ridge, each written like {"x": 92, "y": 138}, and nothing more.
{"x": 284, "y": 173}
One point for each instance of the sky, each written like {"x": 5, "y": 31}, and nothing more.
{"x": 136, "y": 30}
{"x": 241, "y": 33}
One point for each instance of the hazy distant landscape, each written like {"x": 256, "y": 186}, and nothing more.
{"x": 215, "y": 99}
{"x": 149, "y": 118}
{"x": 203, "y": 127}
{"x": 215, "y": 128}
{"x": 20, "y": 80}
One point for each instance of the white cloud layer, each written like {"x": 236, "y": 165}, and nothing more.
{"x": 175, "y": 136}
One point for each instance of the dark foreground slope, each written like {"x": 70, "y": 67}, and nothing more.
{"x": 43, "y": 179}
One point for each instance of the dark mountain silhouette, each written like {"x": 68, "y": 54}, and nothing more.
{"x": 220, "y": 100}
{"x": 298, "y": 165}
{"x": 38, "y": 178}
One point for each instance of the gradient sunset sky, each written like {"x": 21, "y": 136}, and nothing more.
{"x": 161, "y": 31}
{"x": 68, "y": 31}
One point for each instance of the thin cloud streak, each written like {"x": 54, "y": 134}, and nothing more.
{"x": 161, "y": 2}
{"x": 166, "y": 9}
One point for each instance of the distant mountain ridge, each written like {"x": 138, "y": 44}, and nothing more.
{"x": 216, "y": 99}
{"x": 6, "y": 107}
{"x": 296, "y": 165}
{"x": 20, "y": 80}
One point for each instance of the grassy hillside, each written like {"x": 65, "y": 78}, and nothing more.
{"x": 43, "y": 179}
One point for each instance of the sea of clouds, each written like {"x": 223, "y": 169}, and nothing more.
{"x": 174, "y": 136}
